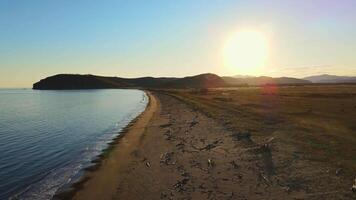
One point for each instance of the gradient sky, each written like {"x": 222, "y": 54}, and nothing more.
{"x": 39, "y": 38}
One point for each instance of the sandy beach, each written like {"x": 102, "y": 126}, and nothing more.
{"x": 102, "y": 182}
{"x": 174, "y": 151}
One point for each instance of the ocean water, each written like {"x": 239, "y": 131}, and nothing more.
{"x": 48, "y": 137}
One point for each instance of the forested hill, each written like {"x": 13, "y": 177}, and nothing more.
{"x": 74, "y": 81}
{"x": 208, "y": 80}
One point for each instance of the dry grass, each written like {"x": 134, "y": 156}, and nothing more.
{"x": 316, "y": 122}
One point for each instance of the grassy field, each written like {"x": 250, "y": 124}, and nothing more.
{"x": 312, "y": 124}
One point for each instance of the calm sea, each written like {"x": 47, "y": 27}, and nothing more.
{"x": 48, "y": 137}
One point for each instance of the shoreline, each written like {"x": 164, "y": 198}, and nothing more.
{"x": 179, "y": 151}
{"x": 70, "y": 191}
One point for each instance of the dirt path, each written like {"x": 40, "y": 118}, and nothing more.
{"x": 183, "y": 154}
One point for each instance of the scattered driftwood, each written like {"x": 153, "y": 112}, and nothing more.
{"x": 165, "y": 125}
{"x": 193, "y": 123}
{"x": 263, "y": 147}
{"x": 211, "y": 146}
{"x": 210, "y": 163}
{"x": 265, "y": 178}
{"x": 197, "y": 165}
{"x": 208, "y": 147}
{"x": 234, "y": 165}
{"x": 164, "y": 195}
{"x": 224, "y": 99}
{"x": 242, "y": 136}
{"x": 231, "y": 196}
{"x": 179, "y": 186}
{"x": 286, "y": 188}
{"x": 266, "y": 152}
{"x": 322, "y": 193}
{"x": 166, "y": 158}
{"x": 180, "y": 145}
{"x": 185, "y": 174}
{"x": 338, "y": 171}
{"x": 267, "y": 144}
{"x": 168, "y": 134}
{"x": 148, "y": 164}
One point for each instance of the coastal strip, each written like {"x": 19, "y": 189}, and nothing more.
{"x": 100, "y": 178}
{"x": 175, "y": 150}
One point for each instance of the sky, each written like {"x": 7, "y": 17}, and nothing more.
{"x": 130, "y": 38}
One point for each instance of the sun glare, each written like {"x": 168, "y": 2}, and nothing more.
{"x": 245, "y": 52}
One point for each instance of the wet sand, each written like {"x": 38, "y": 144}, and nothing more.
{"x": 102, "y": 183}
{"x": 173, "y": 151}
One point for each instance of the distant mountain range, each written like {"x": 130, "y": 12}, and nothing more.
{"x": 263, "y": 80}
{"x": 326, "y": 78}
{"x": 208, "y": 80}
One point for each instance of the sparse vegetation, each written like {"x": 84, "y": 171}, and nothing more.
{"x": 316, "y": 122}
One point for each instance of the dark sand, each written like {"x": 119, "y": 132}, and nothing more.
{"x": 175, "y": 152}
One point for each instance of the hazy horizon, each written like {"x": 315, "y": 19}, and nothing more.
{"x": 165, "y": 39}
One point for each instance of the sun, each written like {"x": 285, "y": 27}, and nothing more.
{"x": 245, "y": 52}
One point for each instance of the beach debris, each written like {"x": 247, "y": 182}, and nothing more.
{"x": 227, "y": 122}
{"x": 353, "y": 188}
{"x": 193, "y": 122}
{"x": 224, "y": 99}
{"x": 211, "y": 195}
{"x": 266, "y": 146}
{"x": 262, "y": 147}
{"x": 196, "y": 164}
{"x": 165, "y": 125}
{"x": 179, "y": 186}
{"x": 338, "y": 171}
{"x": 233, "y": 163}
{"x": 180, "y": 145}
{"x": 208, "y": 147}
{"x": 166, "y": 158}
{"x": 264, "y": 178}
{"x": 166, "y": 195}
{"x": 286, "y": 188}
{"x": 211, "y": 146}
{"x": 269, "y": 140}
{"x": 210, "y": 163}
{"x": 148, "y": 164}
{"x": 163, "y": 195}
{"x": 185, "y": 174}
{"x": 201, "y": 186}
{"x": 168, "y": 134}
{"x": 242, "y": 136}
{"x": 231, "y": 195}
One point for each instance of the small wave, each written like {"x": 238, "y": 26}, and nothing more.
{"x": 60, "y": 178}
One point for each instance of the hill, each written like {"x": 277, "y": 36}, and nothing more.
{"x": 326, "y": 78}
{"x": 75, "y": 81}
{"x": 199, "y": 81}
{"x": 208, "y": 80}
